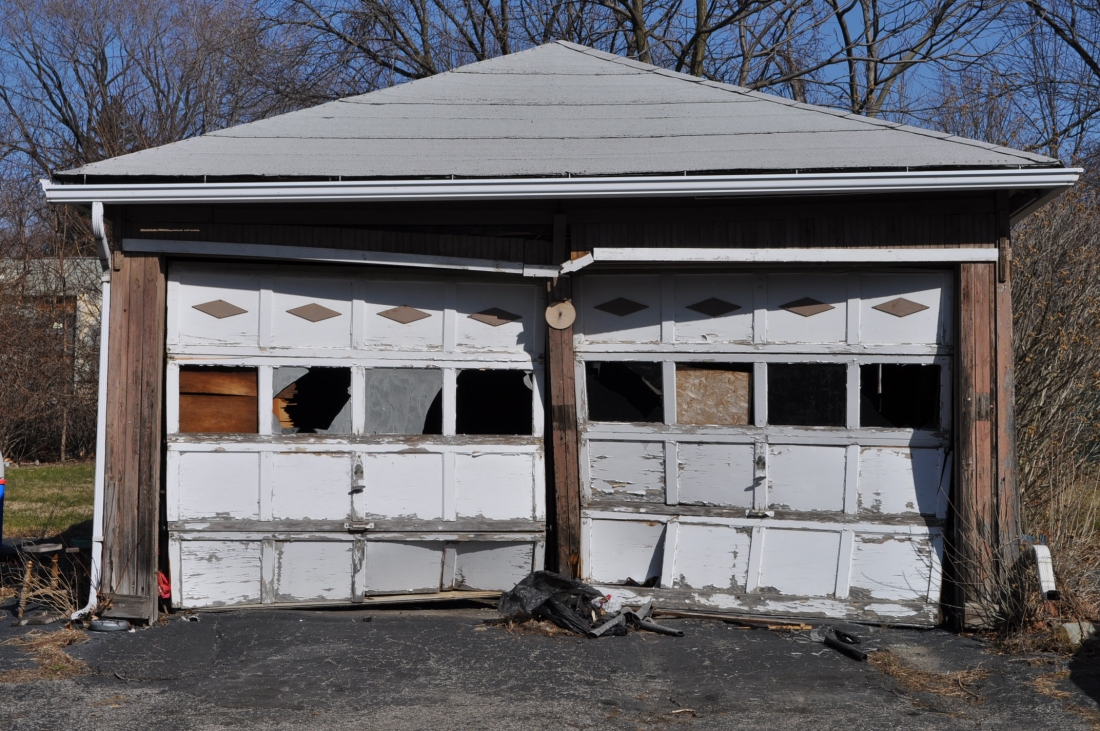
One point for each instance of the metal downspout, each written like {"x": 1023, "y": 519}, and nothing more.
{"x": 101, "y": 414}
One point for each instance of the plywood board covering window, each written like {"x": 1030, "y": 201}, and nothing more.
{"x": 404, "y": 401}
{"x": 713, "y": 394}
{"x": 218, "y": 400}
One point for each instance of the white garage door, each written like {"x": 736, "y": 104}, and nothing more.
{"x": 333, "y": 437}
{"x": 767, "y": 442}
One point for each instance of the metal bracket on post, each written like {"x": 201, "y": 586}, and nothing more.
{"x": 99, "y": 231}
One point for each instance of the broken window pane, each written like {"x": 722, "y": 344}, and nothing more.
{"x": 404, "y": 401}
{"x": 719, "y": 393}
{"x": 806, "y": 394}
{"x": 493, "y": 402}
{"x": 624, "y": 391}
{"x": 311, "y": 400}
{"x": 906, "y": 396}
{"x": 218, "y": 400}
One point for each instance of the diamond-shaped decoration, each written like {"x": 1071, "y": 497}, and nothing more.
{"x": 900, "y": 307}
{"x": 495, "y": 316}
{"x": 404, "y": 314}
{"x": 219, "y": 309}
{"x": 807, "y": 307}
{"x": 714, "y": 307}
{"x": 621, "y": 307}
{"x": 313, "y": 312}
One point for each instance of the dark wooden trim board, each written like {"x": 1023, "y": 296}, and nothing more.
{"x": 133, "y": 443}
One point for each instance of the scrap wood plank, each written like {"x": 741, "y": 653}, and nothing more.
{"x": 745, "y": 621}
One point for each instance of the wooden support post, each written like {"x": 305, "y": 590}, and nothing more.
{"x": 973, "y": 534}
{"x": 1008, "y": 495}
{"x": 564, "y": 446}
{"x": 133, "y": 443}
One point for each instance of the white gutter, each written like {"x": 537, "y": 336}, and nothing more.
{"x": 780, "y": 256}
{"x": 96, "y": 572}
{"x": 580, "y": 187}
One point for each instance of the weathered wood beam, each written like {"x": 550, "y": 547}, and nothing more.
{"x": 133, "y": 444}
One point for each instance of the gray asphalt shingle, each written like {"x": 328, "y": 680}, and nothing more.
{"x": 554, "y": 110}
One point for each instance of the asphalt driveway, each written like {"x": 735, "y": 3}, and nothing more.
{"x": 447, "y": 669}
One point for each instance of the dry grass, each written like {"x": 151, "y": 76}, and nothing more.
{"x": 48, "y": 650}
{"x": 964, "y": 684}
{"x": 1047, "y": 684}
{"x": 538, "y": 627}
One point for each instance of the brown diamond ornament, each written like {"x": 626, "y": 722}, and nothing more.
{"x": 714, "y": 307}
{"x": 807, "y": 307}
{"x": 900, "y": 307}
{"x": 219, "y": 309}
{"x": 495, "y": 316}
{"x": 621, "y": 307}
{"x": 404, "y": 314}
{"x": 313, "y": 312}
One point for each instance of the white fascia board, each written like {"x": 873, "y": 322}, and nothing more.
{"x": 334, "y": 256}
{"x": 780, "y": 256}
{"x": 579, "y": 187}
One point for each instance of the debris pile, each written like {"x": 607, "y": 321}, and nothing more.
{"x": 575, "y": 606}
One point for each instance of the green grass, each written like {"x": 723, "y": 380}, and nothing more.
{"x": 47, "y": 500}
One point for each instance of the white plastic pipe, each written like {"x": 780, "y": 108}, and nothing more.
{"x": 100, "y": 450}
{"x": 1045, "y": 568}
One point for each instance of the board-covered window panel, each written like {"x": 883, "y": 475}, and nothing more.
{"x": 714, "y": 394}
{"x": 218, "y": 400}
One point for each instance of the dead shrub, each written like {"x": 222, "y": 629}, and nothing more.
{"x": 48, "y": 650}
{"x": 960, "y": 684}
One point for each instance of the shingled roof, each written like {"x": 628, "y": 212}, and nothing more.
{"x": 557, "y": 110}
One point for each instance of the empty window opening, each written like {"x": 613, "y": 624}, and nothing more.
{"x": 404, "y": 401}
{"x": 218, "y": 400}
{"x": 714, "y": 393}
{"x": 904, "y": 396}
{"x": 493, "y": 402}
{"x": 624, "y": 391}
{"x": 807, "y": 394}
{"x": 311, "y": 400}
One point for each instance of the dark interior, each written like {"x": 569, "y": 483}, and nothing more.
{"x": 492, "y": 402}
{"x": 624, "y": 391}
{"x": 904, "y": 396}
{"x": 806, "y": 394}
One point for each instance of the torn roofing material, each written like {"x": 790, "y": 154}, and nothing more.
{"x": 559, "y": 109}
